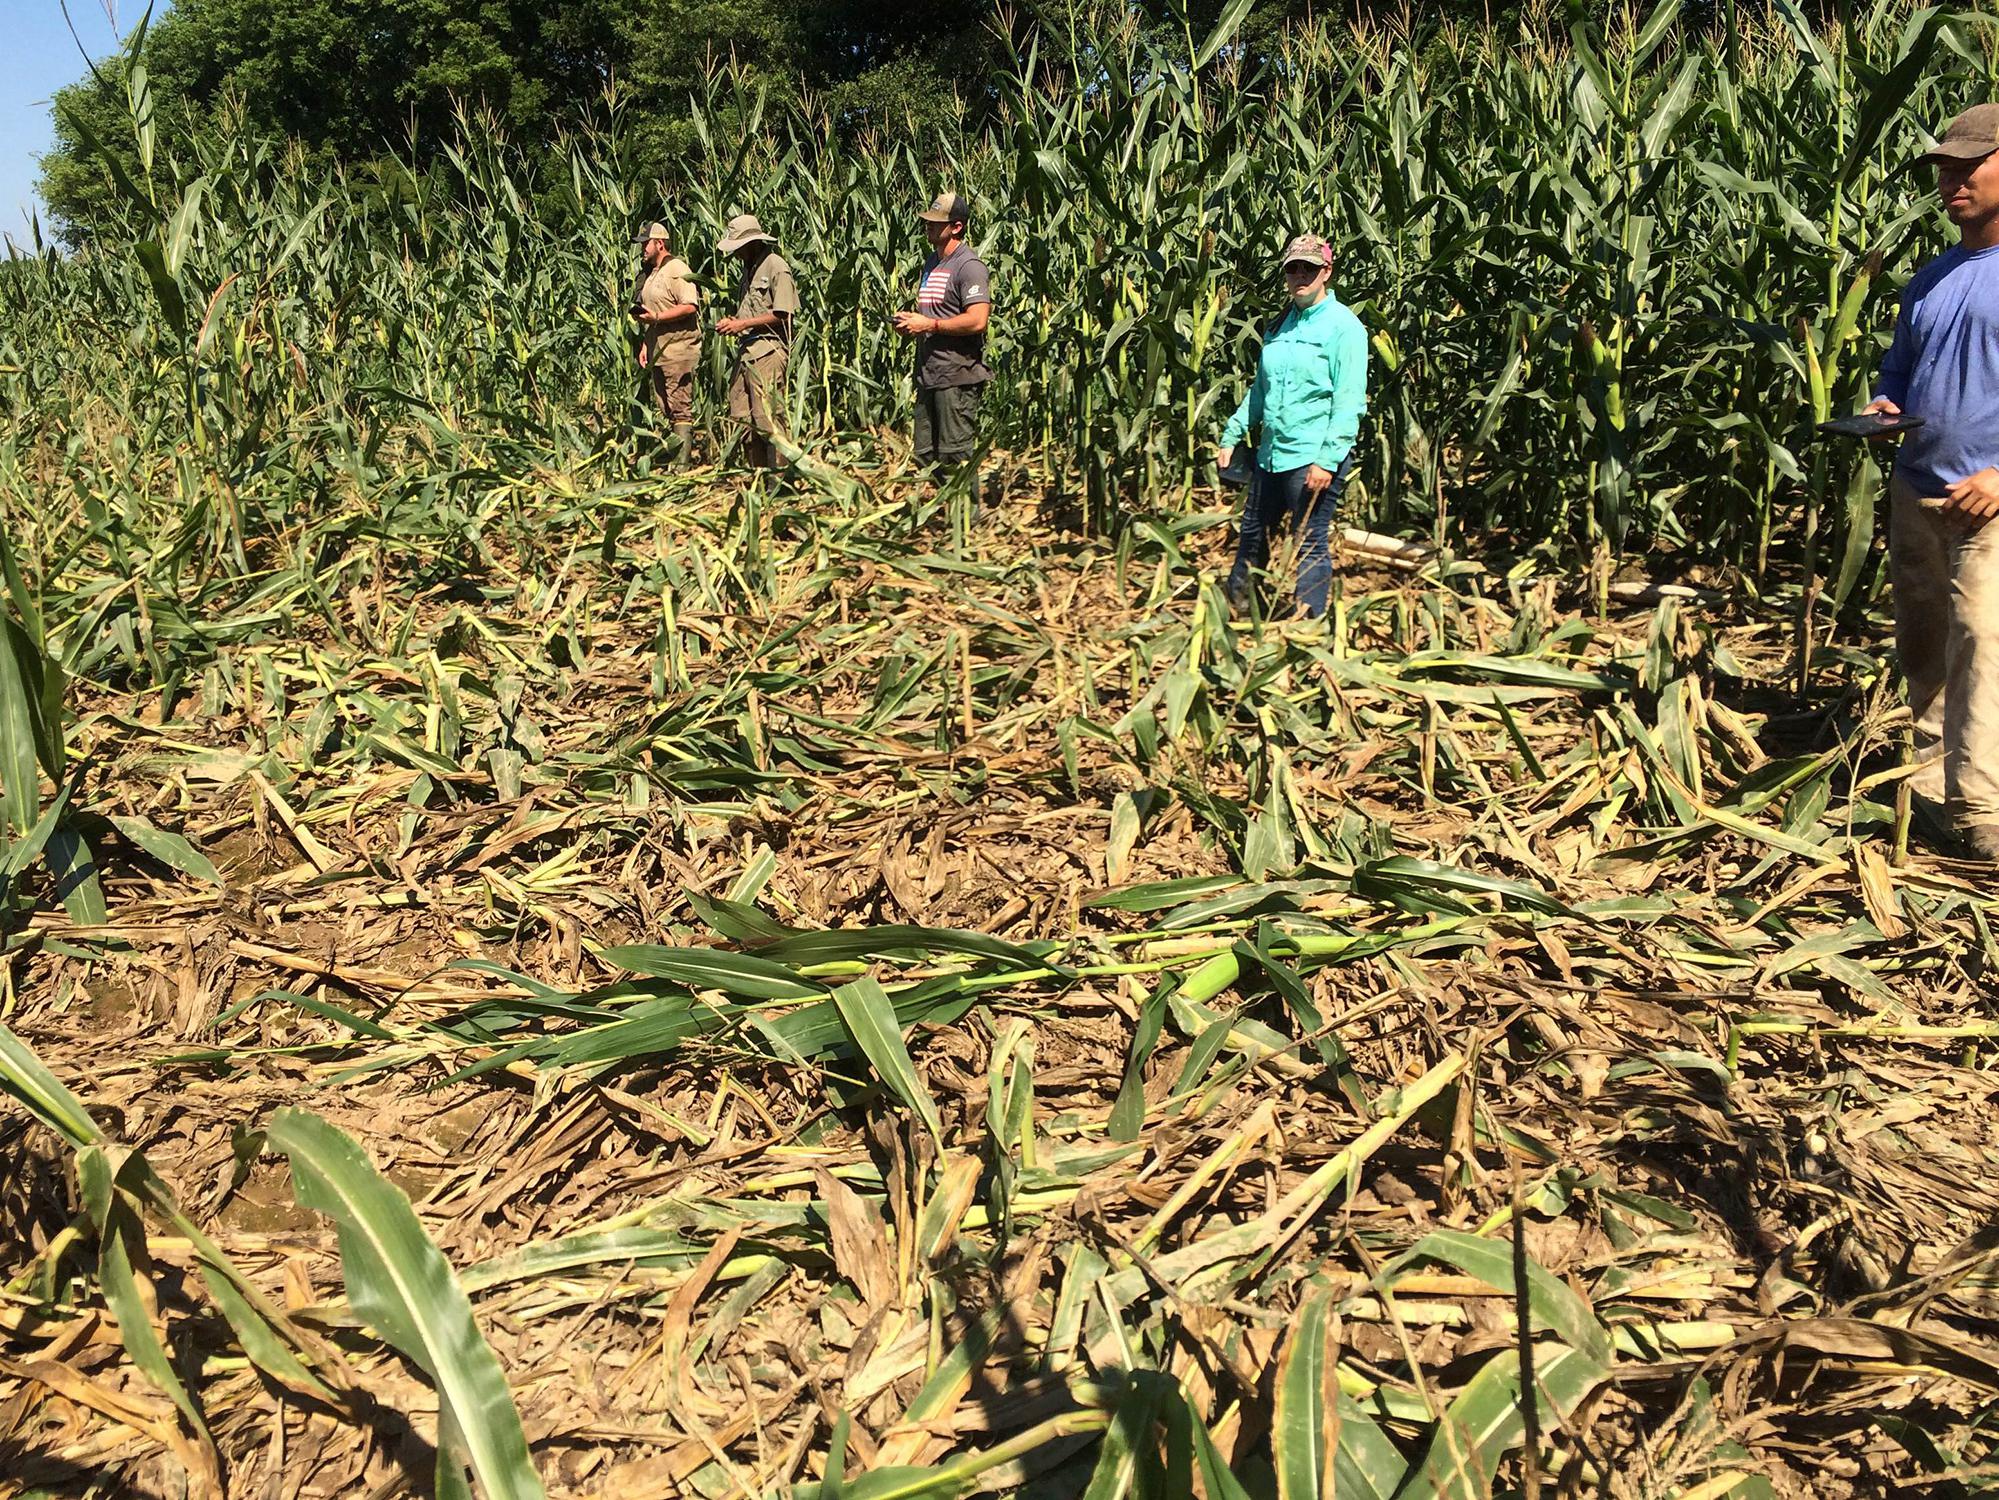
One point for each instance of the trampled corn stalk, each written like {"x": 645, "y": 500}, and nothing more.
{"x": 1585, "y": 260}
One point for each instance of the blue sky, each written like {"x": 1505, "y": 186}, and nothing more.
{"x": 41, "y": 57}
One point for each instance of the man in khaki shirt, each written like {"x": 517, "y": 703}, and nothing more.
{"x": 766, "y": 304}
{"x": 666, "y": 308}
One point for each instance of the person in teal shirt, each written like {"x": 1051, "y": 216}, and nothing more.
{"x": 1308, "y": 396}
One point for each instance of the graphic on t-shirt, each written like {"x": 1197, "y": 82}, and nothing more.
{"x": 930, "y": 295}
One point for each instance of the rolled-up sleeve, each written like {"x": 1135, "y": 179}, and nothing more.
{"x": 784, "y": 292}
{"x": 1248, "y": 414}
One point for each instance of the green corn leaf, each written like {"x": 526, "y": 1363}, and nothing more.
{"x": 121, "y": 1264}
{"x": 1127, "y": 1458}
{"x": 27, "y": 1080}
{"x": 663, "y": 1249}
{"x": 26, "y": 850}
{"x": 1216, "y": 1478}
{"x": 737, "y": 921}
{"x": 1856, "y": 543}
{"x": 739, "y": 974}
{"x": 1227, "y": 24}
{"x": 263, "y": 1331}
{"x": 1368, "y": 1466}
{"x": 1485, "y": 1422}
{"x": 1305, "y": 1432}
{"x": 1427, "y": 885}
{"x": 75, "y": 872}
{"x": 169, "y": 849}
{"x": 1159, "y": 894}
{"x": 870, "y": 1019}
{"x": 804, "y": 949}
{"x": 1128, "y": 1111}
{"x": 166, "y": 287}
{"x": 1888, "y": 95}
{"x": 401, "y": 1284}
{"x": 20, "y": 737}
{"x": 1552, "y": 1304}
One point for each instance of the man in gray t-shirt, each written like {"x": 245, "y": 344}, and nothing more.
{"x": 953, "y": 303}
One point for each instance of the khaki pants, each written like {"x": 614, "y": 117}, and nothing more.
{"x": 756, "y": 390}
{"x": 673, "y": 389}
{"x": 1946, "y": 582}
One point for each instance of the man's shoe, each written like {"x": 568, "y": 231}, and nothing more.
{"x": 1983, "y": 838}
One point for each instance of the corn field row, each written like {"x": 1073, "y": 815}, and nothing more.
{"x": 525, "y": 973}
{"x": 771, "y": 1007}
{"x": 1613, "y": 280}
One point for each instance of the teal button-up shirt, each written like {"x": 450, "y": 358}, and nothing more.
{"x": 1309, "y": 392}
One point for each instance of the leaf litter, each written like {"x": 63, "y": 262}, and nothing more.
{"x": 980, "y": 1018}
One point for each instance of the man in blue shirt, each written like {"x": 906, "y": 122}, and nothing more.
{"x": 1944, "y": 554}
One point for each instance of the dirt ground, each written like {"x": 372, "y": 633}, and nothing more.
{"x": 1628, "y": 915}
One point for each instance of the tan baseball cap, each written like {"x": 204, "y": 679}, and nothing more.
{"x": 947, "y": 208}
{"x": 1308, "y": 248}
{"x": 1973, "y": 134}
{"x": 744, "y": 230}
{"x": 653, "y": 232}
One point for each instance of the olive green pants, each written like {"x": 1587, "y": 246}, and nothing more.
{"x": 947, "y": 424}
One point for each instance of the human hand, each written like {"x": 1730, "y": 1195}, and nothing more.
{"x": 914, "y": 323}
{"x": 1973, "y": 500}
{"x": 1316, "y": 480}
{"x": 1225, "y": 456}
{"x": 1886, "y": 408}
{"x": 642, "y": 356}
{"x": 728, "y": 325}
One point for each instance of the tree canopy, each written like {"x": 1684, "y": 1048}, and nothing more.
{"x": 353, "y": 80}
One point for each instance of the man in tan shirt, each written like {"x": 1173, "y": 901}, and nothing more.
{"x": 666, "y": 308}
{"x": 766, "y": 304}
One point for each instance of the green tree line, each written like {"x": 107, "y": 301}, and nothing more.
{"x": 352, "y": 83}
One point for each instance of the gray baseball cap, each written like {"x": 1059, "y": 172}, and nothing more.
{"x": 1972, "y": 135}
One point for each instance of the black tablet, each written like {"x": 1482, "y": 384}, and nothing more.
{"x": 1241, "y": 468}
{"x": 1871, "y": 424}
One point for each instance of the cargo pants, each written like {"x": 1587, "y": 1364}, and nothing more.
{"x": 673, "y": 389}
{"x": 756, "y": 390}
{"x": 947, "y": 423}
{"x": 1946, "y": 584}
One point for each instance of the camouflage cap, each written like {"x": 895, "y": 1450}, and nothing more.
{"x": 1309, "y": 249}
{"x": 653, "y": 232}
{"x": 743, "y": 230}
{"x": 1972, "y": 135}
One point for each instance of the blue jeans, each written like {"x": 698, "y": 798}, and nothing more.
{"x": 1271, "y": 498}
